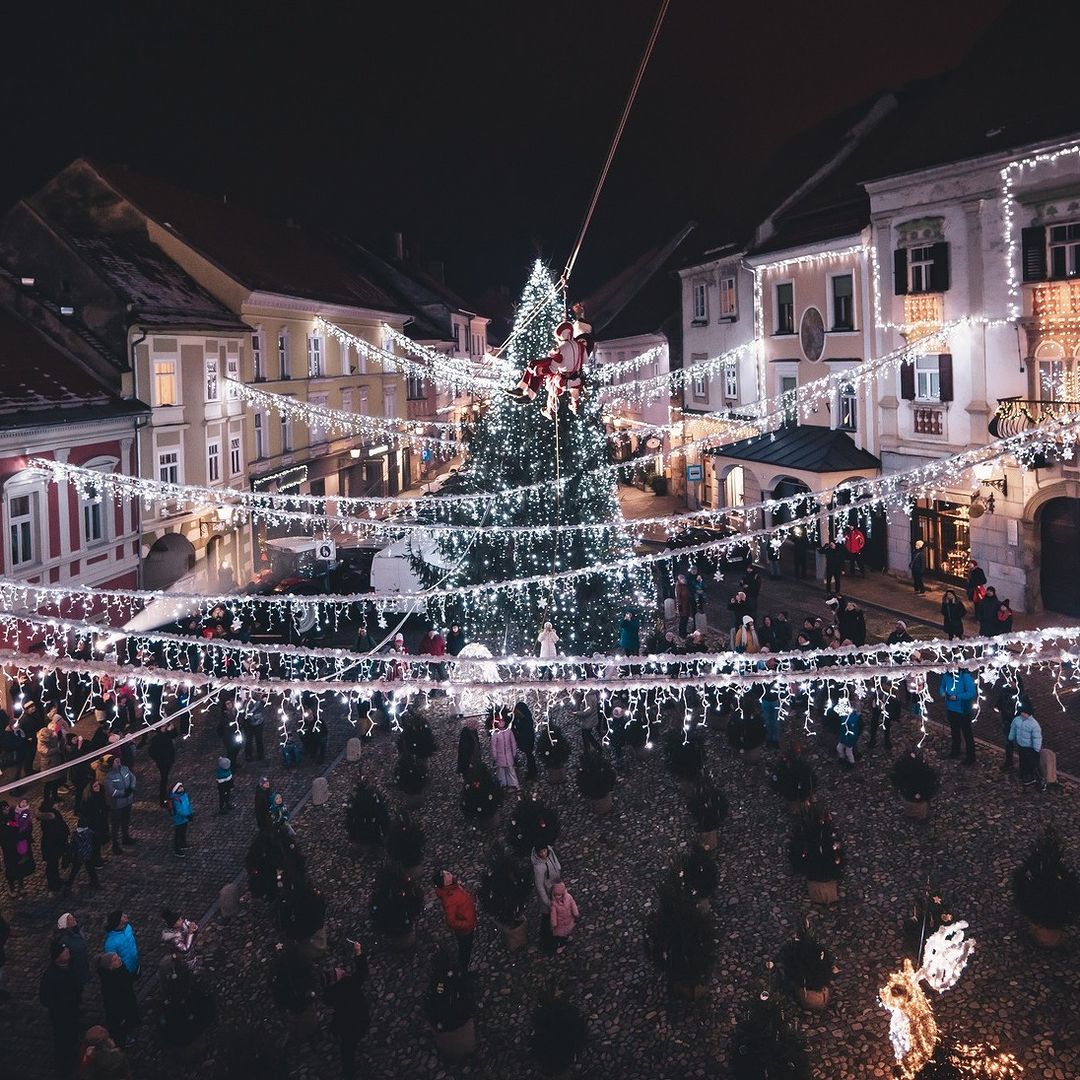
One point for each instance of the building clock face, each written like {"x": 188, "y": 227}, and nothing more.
{"x": 812, "y": 334}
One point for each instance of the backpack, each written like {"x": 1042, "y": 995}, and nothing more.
{"x": 979, "y": 593}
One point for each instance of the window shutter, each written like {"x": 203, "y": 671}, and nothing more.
{"x": 899, "y": 263}
{"x": 907, "y": 381}
{"x": 1033, "y": 243}
{"x": 939, "y": 271}
{"x": 945, "y": 376}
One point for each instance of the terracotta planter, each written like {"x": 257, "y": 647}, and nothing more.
{"x": 1048, "y": 937}
{"x": 515, "y": 937}
{"x": 822, "y": 892}
{"x": 602, "y": 805}
{"x": 404, "y": 942}
{"x": 709, "y": 839}
{"x": 917, "y": 810}
{"x": 365, "y": 724}
{"x": 458, "y": 1044}
{"x": 555, "y": 774}
{"x": 753, "y": 756}
{"x": 687, "y": 993}
{"x": 812, "y": 1000}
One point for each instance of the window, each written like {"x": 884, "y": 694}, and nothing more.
{"x": 169, "y": 466}
{"x": 478, "y": 345}
{"x": 236, "y": 457}
{"x": 920, "y": 269}
{"x": 213, "y": 461}
{"x": 258, "y": 374}
{"x": 315, "y": 368}
{"x": 165, "y": 383}
{"x": 286, "y": 434}
{"x": 346, "y": 401}
{"x": 283, "y": 353}
{"x": 927, "y": 379}
{"x": 363, "y": 409}
{"x": 346, "y": 358}
{"x": 457, "y": 337}
{"x": 414, "y": 387}
{"x": 390, "y": 401}
{"x": 789, "y": 406}
{"x": 731, "y": 382}
{"x": 843, "y": 302}
{"x": 22, "y": 529}
{"x": 1051, "y": 379}
{"x": 848, "y": 413}
{"x": 728, "y": 303}
{"x": 318, "y": 430}
{"x": 700, "y": 302}
{"x": 785, "y": 308}
{"x": 260, "y": 436}
{"x": 212, "y": 387}
{"x": 232, "y": 369}
{"x": 93, "y": 517}
{"x": 1065, "y": 250}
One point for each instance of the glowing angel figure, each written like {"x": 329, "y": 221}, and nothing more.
{"x": 913, "y": 1031}
{"x": 945, "y": 955}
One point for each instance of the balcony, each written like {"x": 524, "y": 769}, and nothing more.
{"x": 1055, "y": 300}
{"x": 929, "y": 420}
{"x": 1018, "y": 414}
{"x": 922, "y": 313}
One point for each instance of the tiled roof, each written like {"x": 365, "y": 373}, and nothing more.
{"x": 261, "y": 254}
{"x": 42, "y": 385}
{"x": 805, "y": 447}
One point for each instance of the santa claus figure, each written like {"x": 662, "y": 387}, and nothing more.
{"x": 562, "y": 369}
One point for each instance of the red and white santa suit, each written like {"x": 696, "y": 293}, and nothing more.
{"x": 561, "y": 369}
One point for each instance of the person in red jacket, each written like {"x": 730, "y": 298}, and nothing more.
{"x": 434, "y": 644}
{"x": 459, "y": 909}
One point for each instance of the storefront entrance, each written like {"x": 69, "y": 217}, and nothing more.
{"x": 946, "y": 531}
{"x": 1060, "y": 541}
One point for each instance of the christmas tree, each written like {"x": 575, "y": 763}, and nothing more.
{"x": 513, "y": 446}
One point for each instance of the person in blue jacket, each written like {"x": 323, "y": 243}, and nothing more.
{"x": 180, "y": 805}
{"x": 630, "y": 634}
{"x": 120, "y": 939}
{"x": 958, "y": 690}
{"x": 850, "y": 730}
{"x": 1026, "y": 732}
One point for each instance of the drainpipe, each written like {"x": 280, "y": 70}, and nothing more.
{"x": 139, "y": 425}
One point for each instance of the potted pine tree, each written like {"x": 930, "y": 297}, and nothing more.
{"x": 635, "y": 737}
{"x": 1047, "y": 891}
{"x": 559, "y": 1034}
{"x": 405, "y": 842}
{"x": 505, "y": 887}
{"x": 746, "y": 734}
{"x": 367, "y": 818}
{"x": 396, "y": 903}
{"x": 917, "y": 782}
{"x": 416, "y": 736}
{"x": 808, "y": 966}
{"x": 596, "y": 781}
{"x": 410, "y": 778}
{"x": 708, "y": 808}
{"x": 450, "y": 1007}
{"x": 533, "y": 824}
{"x": 794, "y": 780}
{"x": 685, "y": 757}
{"x": 764, "y": 1044}
{"x": 553, "y": 750}
{"x": 816, "y": 853}
{"x": 481, "y": 797}
{"x": 694, "y": 875}
{"x": 679, "y": 940}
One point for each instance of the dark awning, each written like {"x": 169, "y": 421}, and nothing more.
{"x": 804, "y": 446}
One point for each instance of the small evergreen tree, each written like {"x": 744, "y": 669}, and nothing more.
{"x": 764, "y": 1046}
{"x": 367, "y": 818}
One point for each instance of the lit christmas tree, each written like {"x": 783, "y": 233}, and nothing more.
{"x": 515, "y": 445}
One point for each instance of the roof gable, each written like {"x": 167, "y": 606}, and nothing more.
{"x": 804, "y": 446}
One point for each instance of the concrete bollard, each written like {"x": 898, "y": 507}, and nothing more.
{"x": 1048, "y": 763}
{"x": 320, "y": 791}
{"x": 669, "y": 608}
{"x": 352, "y": 749}
{"x": 229, "y": 901}
{"x": 701, "y": 621}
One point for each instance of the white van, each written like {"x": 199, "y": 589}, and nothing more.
{"x": 392, "y": 572}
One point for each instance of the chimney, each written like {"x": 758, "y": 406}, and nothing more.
{"x": 399, "y": 246}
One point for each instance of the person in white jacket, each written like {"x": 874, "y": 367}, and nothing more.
{"x": 503, "y": 751}
{"x": 548, "y": 639}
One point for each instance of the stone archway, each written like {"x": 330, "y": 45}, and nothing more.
{"x": 1031, "y": 538}
{"x": 1059, "y": 541}
{"x": 168, "y": 560}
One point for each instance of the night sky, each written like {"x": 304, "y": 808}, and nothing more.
{"x": 477, "y": 129}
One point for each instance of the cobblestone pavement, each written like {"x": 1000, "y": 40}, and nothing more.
{"x": 1011, "y": 995}
{"x": 140, "y": 882}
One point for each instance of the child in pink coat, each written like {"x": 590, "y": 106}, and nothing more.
{"x": 564, "y": 915}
